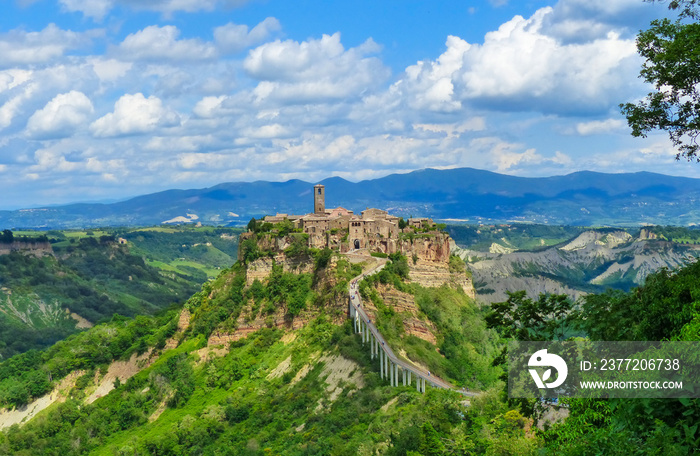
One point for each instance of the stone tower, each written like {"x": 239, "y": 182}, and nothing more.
{"x": 319, "y": 199}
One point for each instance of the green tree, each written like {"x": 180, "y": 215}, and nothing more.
{"x": 522, "y": 318}
{"x": 252, "y": 225}
{"x": 6, "y": 237}
{"x": 430, "y": 443}
{"x": 672, "y": 53}
{"x": 250, "y": 250}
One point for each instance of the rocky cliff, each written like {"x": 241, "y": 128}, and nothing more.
{"x": 29, "y": 248}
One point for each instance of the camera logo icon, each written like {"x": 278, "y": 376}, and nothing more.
{"x": 543, "y": 359}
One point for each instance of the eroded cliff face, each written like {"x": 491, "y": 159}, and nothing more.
{"x": 405, "y": 304}
{"x": 251, "y": 319}
{"x": 433, "y": 247}
{"x": 261, "y": 268}
{"x": 428, "y": 262}
{"x": 37, "y": 249}
{"x": 436, "y": 274}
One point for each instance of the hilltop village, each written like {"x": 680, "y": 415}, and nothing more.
{"x": 341, "y": 229}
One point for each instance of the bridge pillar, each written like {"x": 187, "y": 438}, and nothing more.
{"x": 381, "y": 364}
{"x": 396, "y": 375}
{"x": 409, "y": 378}
{"x": 423, "y": 386}
{"x": 418, "y": 384}
{"x": 403, "y": 376}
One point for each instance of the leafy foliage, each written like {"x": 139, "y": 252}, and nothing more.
{"x": 672, "y": 53}
{"x": 522, "y": 318}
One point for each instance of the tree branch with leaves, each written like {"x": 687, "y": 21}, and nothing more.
{"x": 672, "y": 66}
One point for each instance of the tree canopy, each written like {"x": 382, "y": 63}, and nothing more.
{"x": 672, "y": 53}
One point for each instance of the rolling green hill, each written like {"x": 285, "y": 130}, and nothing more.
{"x": 88, "y": 276}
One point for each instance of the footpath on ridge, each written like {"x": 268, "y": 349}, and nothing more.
{"x": 391, "y": 362}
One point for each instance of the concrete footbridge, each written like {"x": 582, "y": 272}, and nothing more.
{"x": 390, "y": 366}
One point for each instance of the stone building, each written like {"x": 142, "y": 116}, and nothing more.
{"x": 342, "y": 229}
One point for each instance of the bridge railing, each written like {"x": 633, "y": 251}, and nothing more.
{"x": 389, "y": 364}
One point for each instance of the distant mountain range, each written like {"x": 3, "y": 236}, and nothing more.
{"x": 583, "y": 198}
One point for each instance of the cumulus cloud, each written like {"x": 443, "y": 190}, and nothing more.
{"x": 161, "y": 43}
{"x": 19, "y": 47}
{"x": 232, "y": 38}
{"x": 429, "y": 85}
{"x": 586, "y": 20}
{"x": 135, "y": 114}
{"x": 109, "y": 70}
{"x": 61, "y": 116}
{"x": 9, "y": 110}
{"x": 521, "y": 67}
{"x": 314, "y": 69}
{"x": 13, "y": 77}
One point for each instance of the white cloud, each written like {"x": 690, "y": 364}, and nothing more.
{"x": 13, "y": 77}
{"x": 266, "y": 132}
{"x": 519, "y": 67}
{"x": 53, "y": 161}
{"x": 231, "y": 38}
{"x": 506, "y": 157}
{"x": 597, "y": 127}
{"x": 9, "y": 110}
{"x": 13, "y": 106}
{"x": 168, "y": 7}
{"x": 19, "y": 47}
{"x": 161, "y": 43}
{"x": 430, "y": 85}
{"x": 134, "y": 114}
{"x": 313, "y": 69}
{"x": 456, "y": 129}
{"x": 208, "y": 107}
{"x": 98, "y": 9}
{"x": 587, "y": 20}
{"x": 95, "y": 9}
{"x": 61, "y": 116}
{"x": 109, "y": 70}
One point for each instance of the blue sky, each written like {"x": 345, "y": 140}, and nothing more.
{"x": 107, "y": 99}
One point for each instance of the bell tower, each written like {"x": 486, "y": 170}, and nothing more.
{"x": 319, "y": 199}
